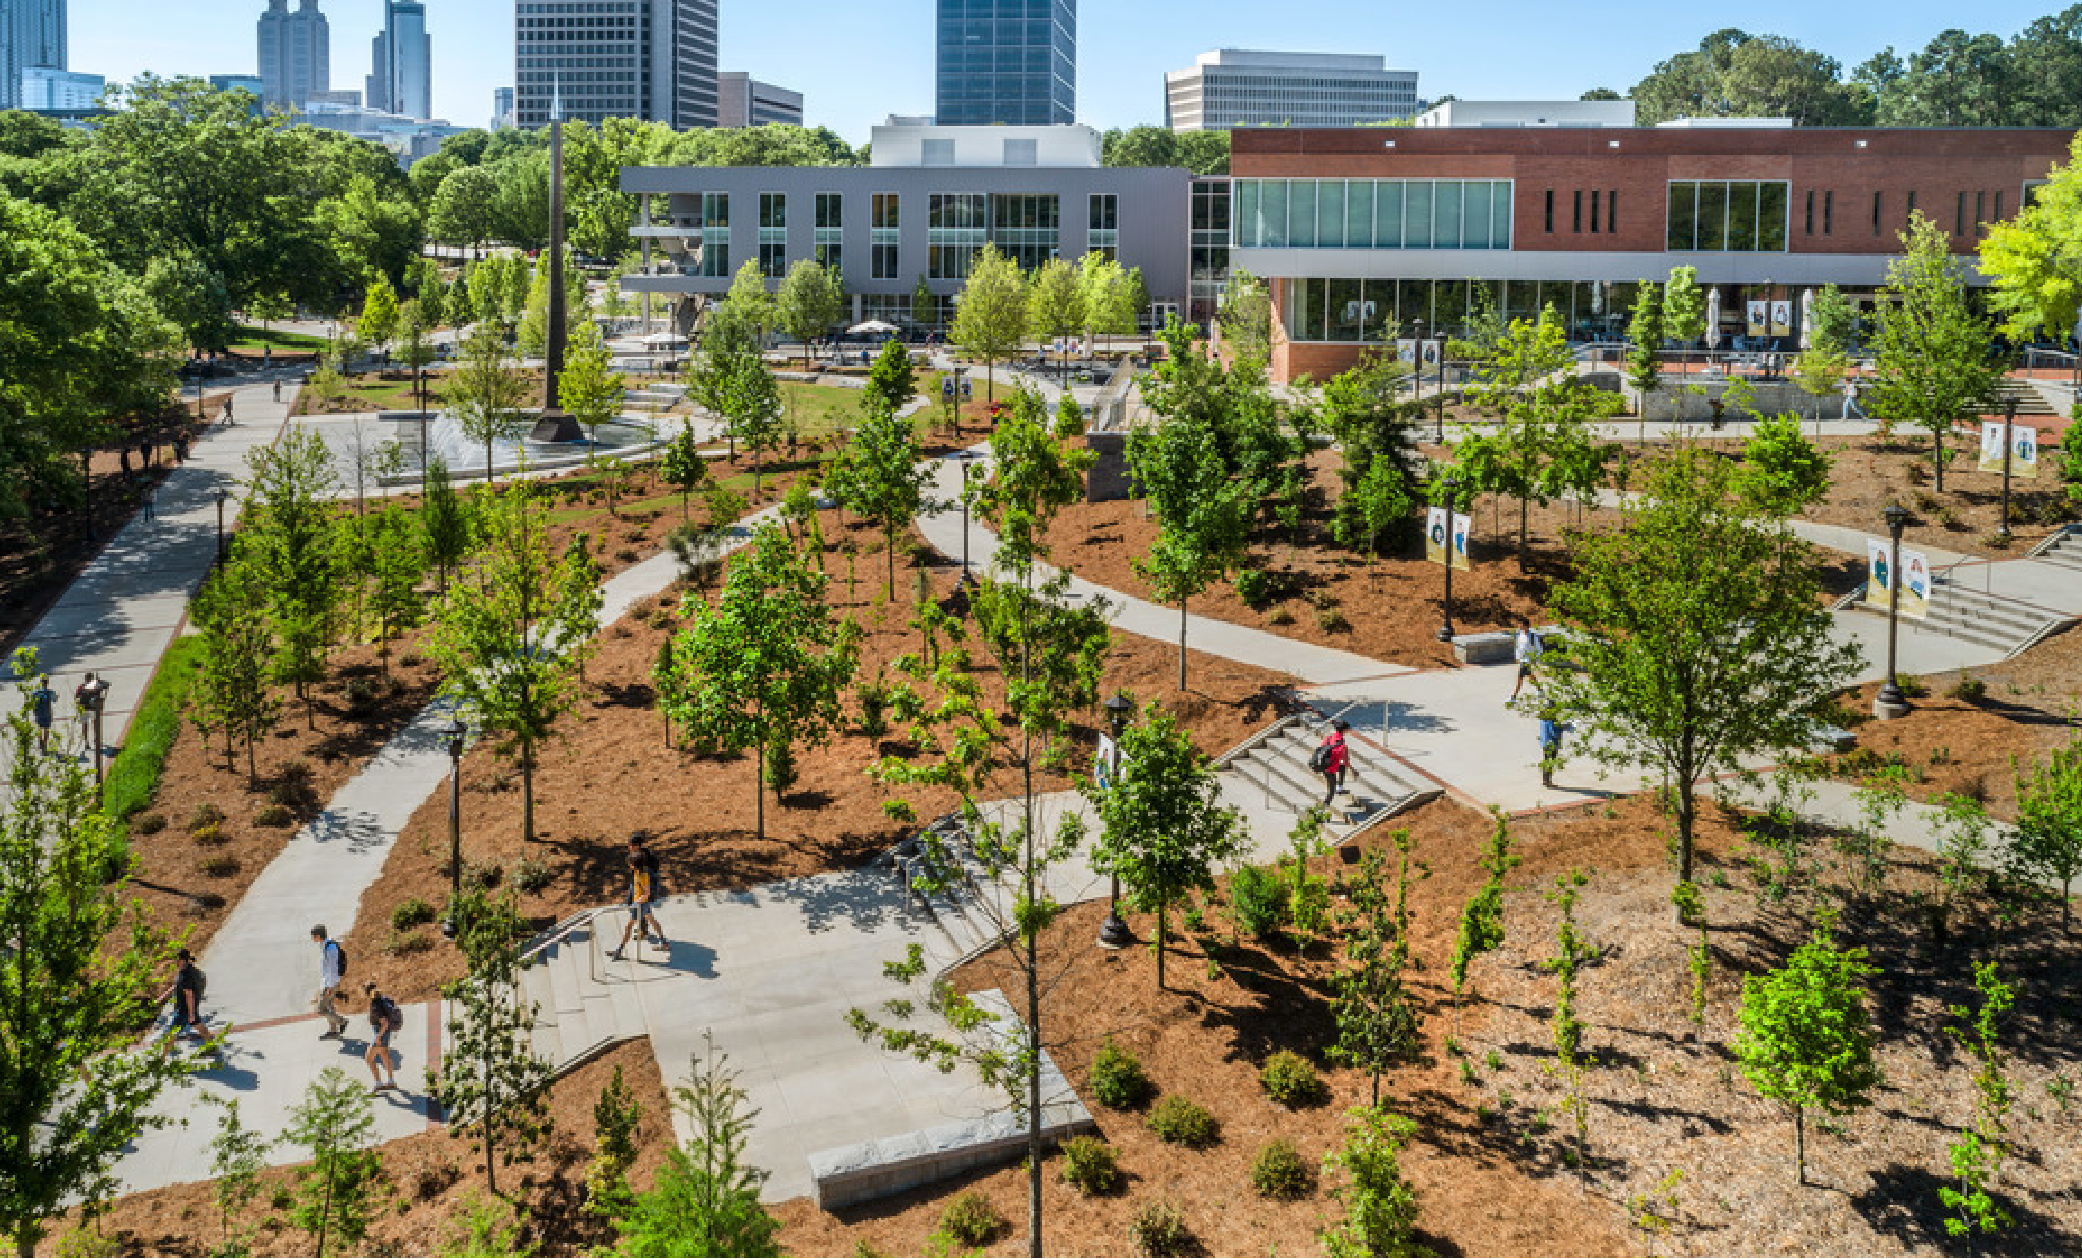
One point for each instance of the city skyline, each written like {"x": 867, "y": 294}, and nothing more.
{"x": 882, "y": 59}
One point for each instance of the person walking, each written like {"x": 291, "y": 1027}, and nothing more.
{"x": 384, "y": 1021}
{"x": 1526, "y": 650}
{"x": 43, "y": 705}
{"x": 278, "y": 391}
{"x": 189, "y": 985}
{"x": 1552, "y": 729}
{"x": 1331, "y": 758}
{"x": 643, "y": 891}
{"x": 1850, "y": 398}
{"x": 227, "y": 409}
{"x": 150, "y": 511}
{"x": 87, "y": 698}
{"x": 332, "y": 968}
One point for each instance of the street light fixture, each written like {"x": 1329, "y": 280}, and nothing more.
{"x": 2009, "y": 421}
{"x": 1451, "y": 486}
{"x": 1114, "y": 933}
{"x": 967, "y": 459}
{"x": 457, "y": 732}
{"x": 1890, "y": 702}
{"x": 1417, "y": 364}
{"x": 222, "y": 494}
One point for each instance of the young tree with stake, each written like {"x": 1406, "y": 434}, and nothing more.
{"x": 990, "y": 322}
{"x": 882, "y": 476}
{"x": 492, "y": 1083}
{"x": 486, "y": 392}
{"x": 682, "y": 466}
{"x": 1934, "y": 360}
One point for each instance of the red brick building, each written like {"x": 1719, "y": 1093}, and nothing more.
{"x": 1364, "y": 232}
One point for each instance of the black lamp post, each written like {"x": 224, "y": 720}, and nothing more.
{"x": 1890, "y": 702}
{"x": 222, "y": 494}
{"x": 1417, "y": 364}
{"x": 456, "y": 733}
{"x": 1450, "y": 484}
{"x": 2009, "y": 420}
{"x": 1439, "y": 430}
{"x": 967, "y": 458}
{"x": 1114, "y": 933}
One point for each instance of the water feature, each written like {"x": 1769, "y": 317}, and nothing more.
{"x": 446, "y": 440}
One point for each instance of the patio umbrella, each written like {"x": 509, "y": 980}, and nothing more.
{"x": 871, "y": 327}
{"x": 1807, "y": 319}
{"x": 1713, "y": 318}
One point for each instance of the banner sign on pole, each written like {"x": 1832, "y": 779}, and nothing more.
{"x": 1758, "y": 317}
{"x": 1915, "y": 584}
{"x": 1462, "y": 527}
{"x": 1435, "y": 535}
{"x": 1102, "y": 763}
{"x": 1781, "y": 318}
{"x": 2024, "y": 449}
{"x": 1881, "y": 580}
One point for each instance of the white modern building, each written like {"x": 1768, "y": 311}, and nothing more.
{"x": 648, "y": 59}
{"x": 401, "y": 76}
{"x": 743, "y": 101}
{"x": 50, "y": 91}
{"x": 1241, "y": 87}
{"x": 408, "y": 139}
{"x": 32, "y": 33}
{"x": 1528, "y": 114}
{"x": 294, "y": 53}
{"x": 906, "y": 143}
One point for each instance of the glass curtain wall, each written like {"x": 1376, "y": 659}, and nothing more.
{"x": 1374, "y": 311}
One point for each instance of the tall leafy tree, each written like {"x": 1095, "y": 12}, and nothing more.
{"x": 811, "y": 299}
{"x": 990, "y": 320}
{"x": 504, "y": 638}
{"x": 1376, "y": 1020}
{"x": 763, "y": 669}
{"x": 749, "y": 302}
{"x": 78, "y": 969}
{"x": 486, "y": 392}
{"x": 589, "y": 387}
{"x": 892, "y": 381}
{"x": 1934, "y": 360}
{"x": 1055, "y": 301}
{"x": 1376, "y": 431}
{"x": 1105, "y": 297}
{"x": 1644, "y": 339}
{"x": 379, "y": 312}
{"x": 1734, "y": 74}
{"x": 882, "y": 477}
{"x": 231, "y": 691}
{"x": 1697, "y": 639}
{"x": 533, "y": 334}
{"x": 1684, "y": 305}
{"x": 1806, "y": 1040}
{"x": 296, "y": 552}
{"x": 1163, "y": 827}
{"x": 1246, "y": 318}
{"x": 2035, "y": 258}
{"x": 2047, "y": 846}
{"x": 1958, "y": 79}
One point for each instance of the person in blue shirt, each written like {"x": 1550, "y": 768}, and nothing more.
{"x": 43, "y": 709}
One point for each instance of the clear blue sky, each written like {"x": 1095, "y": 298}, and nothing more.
{"x": 857, "y": 61}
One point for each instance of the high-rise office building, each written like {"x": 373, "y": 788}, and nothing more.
{"x": 401, "y": 77}
{"x": 502, "y": 108}
{"x": 1006, "y": 62}
{"x": 650, "y": 59}
{"x": 32, "y": 33}
{"x": 1237, "y": 87}
{"x": 743, "y": 101}
{"x": 295, "y": 53}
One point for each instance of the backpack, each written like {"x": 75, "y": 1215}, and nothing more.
{"x": 340, "y": 952}
{"x": 197, "y": 980}
{"x": 1319, "y": 760}
{"x": 384, "y": 1010}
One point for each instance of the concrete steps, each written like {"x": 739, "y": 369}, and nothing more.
{"x": 2063, "y": 549}
{"x": 2032, "y": 401}
{"x": 1275, "y": 766}
{"x": 1984, "y": 620}
{"x": 585, "y": 1002}
{"x": 953, "y": 890}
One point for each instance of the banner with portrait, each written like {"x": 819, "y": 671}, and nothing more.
{"x": 2024, "y": 449}
{"x": 1782, "y": 318}
{"x": 1438, "y": 525}
{"x": 1882, "y": 581}
{"x": 1759, "y": 318}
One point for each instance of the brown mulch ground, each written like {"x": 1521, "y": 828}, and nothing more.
{"x": 434, "y": 1179}
{"x": 610, "y": 773}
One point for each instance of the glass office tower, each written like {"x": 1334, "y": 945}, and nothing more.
{"x": 1007, "y": 62}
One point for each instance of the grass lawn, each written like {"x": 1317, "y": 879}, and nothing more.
{"x": 821, "y": 409}
{"x": 251, "y": 340}
{"x": 134, "y": 774}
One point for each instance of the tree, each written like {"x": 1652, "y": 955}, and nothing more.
{"x": 335, "y": 1196}
{"x": 1644, "y": 339}
{"x": 750, "y": 303}
{"x": 1376, "y": 431}
{"x": 589, "y": 387}
{"x": 882, "y": 476}
{"x": 485, "y": 393}
{"x": 502, "y": 635}
{"x": 492, "y": 1083}
{"x": 1684, "y": 306}
{"x": 1957, "y": 80}
{"x": 1055, "y": 302}
{"x": 1977, "y": 1157}
{"x": 1806, "y": 1040}
{"x": 79, "y": 966}
{"x": 706, "y": 1199}
{"x": 1699, "y": 640}
{"x": 1105, "y": 296}
{"x": 1376, "y": 1020}
{"x": 444, "y": 520}
{"x": 1246, "y": 319}
{"x": 764, "y": 668}
{"x": 682, "y": 466}
{"x": 237, "y": 1156}
{"x": 810, "y": 301}
{"x": 1782, "y": 473}
{"x": 2034, "y": 260}
{"x": 617, "y": 1117}
{"x": 924, "y": 304}
{"x": 1734, "y": 74}
{"x": 752, "y": 409}
{"x": 295, "y": 552}
{"x": 379, "y": 312}
{"x": 2047, "y": 845}
{"x": 231, "y": 691}
{"x": 397, "y": 562}
{"x": 892, "y": 380}
{"x": 1934, "y": 358}
{"x": 532, "y": 338}
{"x": 990, "y": 321}
{"x": 1482, "y": 920}
{"x": 1380, "y": 1202}
{"x": 1164, "y": 830}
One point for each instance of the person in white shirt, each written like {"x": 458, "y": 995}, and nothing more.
{"x": 332, "y": 960}
{"x": 1528, "y": 649}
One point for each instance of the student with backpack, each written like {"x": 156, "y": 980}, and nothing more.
{"x": 1330, "y": 759}
{"x": 384, "y": 1021}
{"x": 189, "y": 986}
{"x": 332, "y": 969}
{"x": 1528, "y": 649}
{"x": 643, "y": 892}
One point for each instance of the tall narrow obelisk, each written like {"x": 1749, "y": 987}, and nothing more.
{"x": 555, "y": 425}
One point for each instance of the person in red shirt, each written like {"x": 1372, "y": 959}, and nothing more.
{"x": 1335, "y": 759}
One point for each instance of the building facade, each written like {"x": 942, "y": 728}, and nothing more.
{"x": 890, "y": 227}
{"x": 649, "y": 59}
{"x": 1539, "y": 114}
{"x": 502, "y": 108}
{"x": 1006, "y": 63}
{"x": 743, "y": 101}
{"x": 1239, "y": 87}
{"x": 401, "y": 57}
{"x": 49, "y": 91}
{"x": 1361, "y": 235}
{"x": 32, "y": 35}
{"x": 294, "y": 53}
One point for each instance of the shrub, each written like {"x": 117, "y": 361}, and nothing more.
{"x": 221, "y": 866}
{"x": 532, "y": 875}
{"x": 1159, "y": 1230}
{"x": 134, "y": 774}
{"x": 1968, "y": 688}
{"x": 406, "y": 943}
{"x": 275, "y": 815}
{"x": 1182, "y": 1121}
{"x": 971, "y": 1220}
{"x": 1912, "y": 686}
{"x": 1257, "y": 901}
{"x": 149, "y": 823}
{"x": 1118, "y": 1080}
{"x": 874, "y": 707}
{"x": 1290, "y": 1080}
{"x": 484, "y": 878}
{"x": 1331, "y": 620}
{"x": 360, "y": 692}
{"x": 1281, "y": 615}
{"x": 412, "y": 913}
{"x": 1091, "y": 1165}
{"x": 1279, "y": 1171}
{"x": 208, "y": 835}
{"x": 1254, "y": 587}
{"x": 206, "y": 814}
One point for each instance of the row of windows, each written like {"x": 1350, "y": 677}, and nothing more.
{"x": 1728, "y": 216}
{"x": 1382, "y": 310}
{"x": 1604, "y": 210}
{"x": 1372, "y": 213}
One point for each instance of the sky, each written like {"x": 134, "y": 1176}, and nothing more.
{"x": 856, "y": 62}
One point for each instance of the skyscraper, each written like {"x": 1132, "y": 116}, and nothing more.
{"x": 650, "y": 59}
{"x": 1010, "y": 62}
{"x": 401, "y": 77}
{"x": 295, "y": 53}
{"x": 32, "y": 33}
{"x": 1241, "y": 87}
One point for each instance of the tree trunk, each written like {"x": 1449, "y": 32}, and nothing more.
{"x": 527, "y": 795}
{"x": 1525, "y": 511}
{"x": 1163, "y": 920}
{"x": 1937, "y": 456}
{"x": 1800, "y": 1141}
{"x": 1181, "y": 642}
{"x": 889, "y": 543}
{"x": 759, "y": 792}
{"x": 1687, "y": 814}
{"x": 487, "y": 460}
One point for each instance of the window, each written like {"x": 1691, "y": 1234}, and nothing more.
{"x": 713, "y": 254}
{"x": 883, "y": 236}
{"x": 1550, "y": 210}
{"x": 937, "y": 153}
{"x": 773, "y": 234}
{"x": 1371, "y": 214}
{"x": 1578, "y": 225}
{"x": 1104, "y": 226}
{"x": 1594, "y": 213}
{"x": 1828, "y": 213}
{"x": 1026, "y": 227}
{"x": 1959, "y": 217}
{"x": 1998, "y": 205}
{"x": 831, "y": 212}
{"x": 1612, "y": 210}
{"x": 1810, "y": 212}
{"x": 1980, "y": 206}
{"x": 1876, "y": 198}
{"x": 1740, "y": 216}
{"x": 1909, "y": 215}
{"x": 1022, "y": 152}
{"x": 954, "y": 231}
